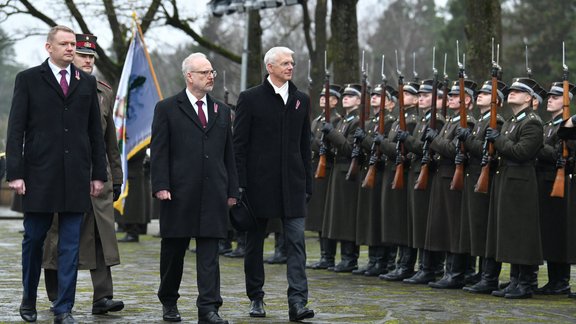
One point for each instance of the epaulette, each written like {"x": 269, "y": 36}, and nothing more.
{"x": 105, "y": 84}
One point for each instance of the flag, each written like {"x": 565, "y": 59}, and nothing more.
{"x": 138, "y": 93}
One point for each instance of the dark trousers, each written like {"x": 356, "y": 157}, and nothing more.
{"x": 36, "y": 226}
{"x": 101, "y": 276}
{"x": 293, "y": 231}
{"x": 172, "y": 253}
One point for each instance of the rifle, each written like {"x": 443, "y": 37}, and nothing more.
{"x": 488, "y": 154}
{"x": 321, "y": 169}
{"x": 559, "y": 181}
{"x": 375, "y": 149}
{"x": 445, "y": 88}
{"x": 226, "y": 92}
{"x": 422, "y": 181}
{"x": 458, "y": 178}
{"x": 354, "y": 164}
{"x": 398, "y": 182}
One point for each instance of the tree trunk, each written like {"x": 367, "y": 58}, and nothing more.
{"x": 484, "y": 23}
{"x": 256, "y": 68}
{"x": 344, "y": 49}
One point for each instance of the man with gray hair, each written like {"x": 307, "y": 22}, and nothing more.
{"x": 273, "y": 158}
{"x": 194, "y": 177}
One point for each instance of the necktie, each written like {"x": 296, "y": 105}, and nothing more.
{"x": 63, "y": 82}
{"x": 201, "y": 114}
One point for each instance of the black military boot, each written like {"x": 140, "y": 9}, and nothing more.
{"x": 371, "y": 262}
{"x": 514, "y": 277}
{"x": 405, "y": 267}
{"x": 527, "y": 281}
{"x": 489, "y": 282}
{"x": 327, "y": 254}
{"x": 279, "y": 256}
{"x": 224, "y": 246}
{"x": 240, "y": 250}
{"x": 349, "y": 252}
{"x": 558, "y": 280}
{"x": 379, "y": 254}
{"x": 456, "y": 274}
{"x": 426, "y": 273}
{"x": 473, "y": 276}
{"x": 391, "y": 255}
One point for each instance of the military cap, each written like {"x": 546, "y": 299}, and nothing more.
{"x": 557, "y": 89}
{"x": 525, "y": 85}
{"x": 502, "y": 89}
{"x": 376, "y": 90}
{"x": 411, "y": 87}
{"x": 540, "y": 93}
{"x": 86, "y": 44}
{"x": 469, "y": 86}
{"x": 392, "y": 92}
{"x": 427, "y": 85}
{"x": 335, "y": 90}
{"x": 352, "y": 89}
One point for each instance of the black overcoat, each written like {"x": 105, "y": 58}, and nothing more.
{"x": 195, "y": 164}
{"x": 272, "y": 149}
{"x": 55, "y": 142}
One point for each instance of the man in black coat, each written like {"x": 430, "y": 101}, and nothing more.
{"x": 56, "y": 160}
{"x": 273, "y": 158}
{"x": 194, "y": 176}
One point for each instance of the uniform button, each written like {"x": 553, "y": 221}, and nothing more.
{"x": 206, "y": 156}
{"x": 66, "y": 151}
{"x": 66, "y": 129}
{"x": 65, "y": 108}
{"x": 205, "y": 137}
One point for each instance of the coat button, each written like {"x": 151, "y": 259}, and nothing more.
{"x": 205, "y": 156}
{"x": 66, "y": 151}
{"x": 66, "y": 129}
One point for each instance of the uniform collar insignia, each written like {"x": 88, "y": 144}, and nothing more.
{"x": 455, "y": 119}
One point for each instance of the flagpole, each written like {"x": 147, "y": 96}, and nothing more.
{"x": 148, "y": 57}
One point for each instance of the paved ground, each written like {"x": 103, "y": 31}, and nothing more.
{"x": 336, "y": 298}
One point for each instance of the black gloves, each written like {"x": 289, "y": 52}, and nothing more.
{"x": 378, "y": 139}
{"x": 560, "y": 162}
{"x": 492, "y": 134}
{"x": 426, "y": 159}
{"x": 462, "y": 133}
{"x": 327, "y": 128}
{"x": 308, "y": 197}
{"x": 431, "y": 133}
{"x": 401, "y": 136}
{"x": 459, "y": 158}
{"x": 373, "y": 160}
{"x": 573, "y": 120}
{"x": 359, "y": 134}
{"x": 116, "y": 191}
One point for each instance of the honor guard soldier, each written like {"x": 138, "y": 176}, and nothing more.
{"x": 340, "y": 213}
{"x": 444, "y": 211}
{"x": 317, "y": 202}
{"x": 395, "y": 221}
{"x": 553, "y": 210}
{"x": 475, "y": 205}
{"x": 369, "y": 215}
{"x": 513, "y": 228}
{"x": 418, "y": 200}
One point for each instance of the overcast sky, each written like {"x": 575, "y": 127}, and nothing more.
{"x": 30, "y": 51}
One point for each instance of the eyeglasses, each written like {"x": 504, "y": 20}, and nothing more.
{"x": 205, "y": 73}
{"x": 286, "y": 64}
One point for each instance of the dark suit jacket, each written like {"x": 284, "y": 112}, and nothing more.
{"x": 195, "y": 164}
{"x": 272, "y": 148}
{"x": 54, "y": 141}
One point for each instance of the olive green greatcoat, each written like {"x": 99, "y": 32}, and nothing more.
{"x": 418, "y": 200}
{"x": 396, "y": 215}
{"x": 569, "y": 134}
{"x": 340, "y": 213}
{"x": 514, "y": 223}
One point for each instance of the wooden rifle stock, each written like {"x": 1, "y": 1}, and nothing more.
{"x": 458, "y": 178}
{"x": 422, "y": 181}
{"x": 321, "y": 169}
{"x": 559, "y": 181}
{"x": 398, "y": 182}
{"x": 354, "y": 164}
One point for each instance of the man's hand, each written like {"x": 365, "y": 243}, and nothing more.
{"x": 327, "y": 128}
{"x": 116, "y": 191}
{"x": 232, "y": 201}
{"x": 492, "y": 134}
{"x": 163, "y": 195}
{"x": 96, "y": 187}
{"x": 18, "y": 185}
{"x": 462, "y": 133}
{"x": 308, "y": 197}
{"x": 378, "y": 139}
{"x": 431, "y": 134}
{"x": 401, "y": 136}
{"x": 359, "y": 134}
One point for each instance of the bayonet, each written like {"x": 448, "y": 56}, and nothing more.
{"x": 414, "y": 67}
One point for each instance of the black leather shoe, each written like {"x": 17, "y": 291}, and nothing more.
{"x": 277, "y": 258}
{"x": 360, "y": 270}
{"x": 376, "y": 270}
{"x": 64, "y": 318}
{"x": 447, "y": 283}
{"x": 237, "y": 253}
{"x": 129, "y": 238}
{"x": 28, "y": 312}
{"x": 503, "y": 291}
{"x": 397, "y": 275}
{"x": 520, "y": 292}
{"x": 299, "y": 312}
{"x": 322, "y": 264}
{"x": 473, "y": 278}
{"x": 572, "y": 295}
{"x": 257, "y": 308}
{"x": 345, "y": 266}
{"x": 553, "y": 288}
{"x": 211, "y": 318}
{"x": 171, "y": 313}
{"x": 421, "y": 278}
{"x": 105, "y": 305}
{"x": 482, "y": 287}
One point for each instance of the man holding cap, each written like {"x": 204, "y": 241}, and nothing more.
{"x": 98, "y": 245}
